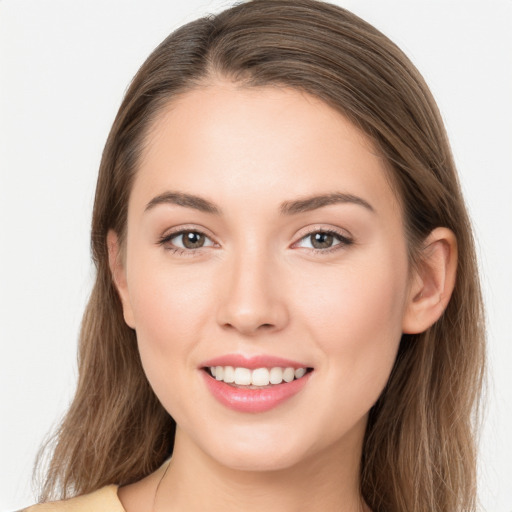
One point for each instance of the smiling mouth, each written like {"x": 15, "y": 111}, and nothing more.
{"x": 259, "y": 378}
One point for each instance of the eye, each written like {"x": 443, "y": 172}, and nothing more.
{"x": 187, "y": 240}
{"x": 323, "y": 240}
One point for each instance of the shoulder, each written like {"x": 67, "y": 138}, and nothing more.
{"x": 102, "y": 500}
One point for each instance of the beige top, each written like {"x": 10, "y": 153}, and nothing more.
{"x": 102, "y": 500}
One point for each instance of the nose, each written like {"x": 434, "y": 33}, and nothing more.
{"x": 252, "y": 300}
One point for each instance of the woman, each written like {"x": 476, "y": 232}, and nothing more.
{"x": 287, "y": 299}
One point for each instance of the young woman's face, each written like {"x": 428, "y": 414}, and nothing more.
{"x": 263, "y": 235}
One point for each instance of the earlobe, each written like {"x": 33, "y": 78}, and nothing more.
{"x": 118, "y": 272}
{"x": 432, "y": 283}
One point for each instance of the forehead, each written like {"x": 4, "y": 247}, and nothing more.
{"x": 232, "y": 141}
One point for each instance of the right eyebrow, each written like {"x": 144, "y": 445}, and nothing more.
{"x": 183, "y": 199}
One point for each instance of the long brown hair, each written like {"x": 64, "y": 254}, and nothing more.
{"x": 419, "y": 449}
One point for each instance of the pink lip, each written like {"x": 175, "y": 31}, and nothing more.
{"x": 253, "y": 400}
{"x": 252, "y": 362}
{"x": 243, "y": 399}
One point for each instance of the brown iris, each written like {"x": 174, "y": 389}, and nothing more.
{"x": 322, "y": 240}
{"x": 193, "y": 240}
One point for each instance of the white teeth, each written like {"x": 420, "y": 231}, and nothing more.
{"x": 299, "y": 372}
{"x": 242, "y": 376}
{"x": 229, "y": 374}
{"x": 276, "y": 375}
{"x": 258, "y": 377}
{"x": 288, "y": 374}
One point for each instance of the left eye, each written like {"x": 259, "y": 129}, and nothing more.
{"x": 189, "y": 240}
{"x": 322, "y": 240}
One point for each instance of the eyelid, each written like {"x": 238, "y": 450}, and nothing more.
{"x": 171, "y": 233}
{"x": 345, "y": 238}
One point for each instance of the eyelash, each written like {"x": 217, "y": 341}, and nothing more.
{"x": 165, "y": 241}
{"x": 343, "y": 241}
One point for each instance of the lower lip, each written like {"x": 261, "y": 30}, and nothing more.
{"x": 253, "y": 400}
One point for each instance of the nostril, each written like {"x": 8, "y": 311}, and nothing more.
{"x": 265, "y": 326}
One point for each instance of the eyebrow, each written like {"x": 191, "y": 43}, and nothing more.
{"x": 186, "y": 200}
{"x": 319, "y": 201}
{"x": 287, "y": 208}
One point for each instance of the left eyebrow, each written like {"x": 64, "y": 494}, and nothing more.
{"x": 314, "y": 202}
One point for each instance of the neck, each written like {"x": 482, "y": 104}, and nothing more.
{"x": 195, "y": 482}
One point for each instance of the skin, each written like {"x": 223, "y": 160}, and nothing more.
{"x": 258, "y": 286}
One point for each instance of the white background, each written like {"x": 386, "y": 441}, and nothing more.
{"x": 64, "y": 66}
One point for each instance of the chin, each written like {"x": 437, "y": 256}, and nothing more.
{"x": 257, "y": 452}
{"x": 258, "y": 462}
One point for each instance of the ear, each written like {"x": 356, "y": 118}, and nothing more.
{"x": 117, "y": 268}
{"x": 432, "y": 282}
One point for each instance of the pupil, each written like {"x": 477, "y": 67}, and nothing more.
{"x": 322, "y": 240}
{"x": 192, "y": 240}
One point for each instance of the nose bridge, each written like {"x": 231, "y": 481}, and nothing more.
{"x": 252, "y": 300}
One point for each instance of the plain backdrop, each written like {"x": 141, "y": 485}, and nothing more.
{"x": 64, "y": 66}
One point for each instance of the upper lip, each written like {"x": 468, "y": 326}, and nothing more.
{"x": 253, "y": 362}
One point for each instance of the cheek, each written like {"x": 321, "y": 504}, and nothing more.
{"x": 167, "y": 299}
{"x": 354, "y": 318}
{"x": 171, "y": 307}
{"x": 355, "y": 314}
